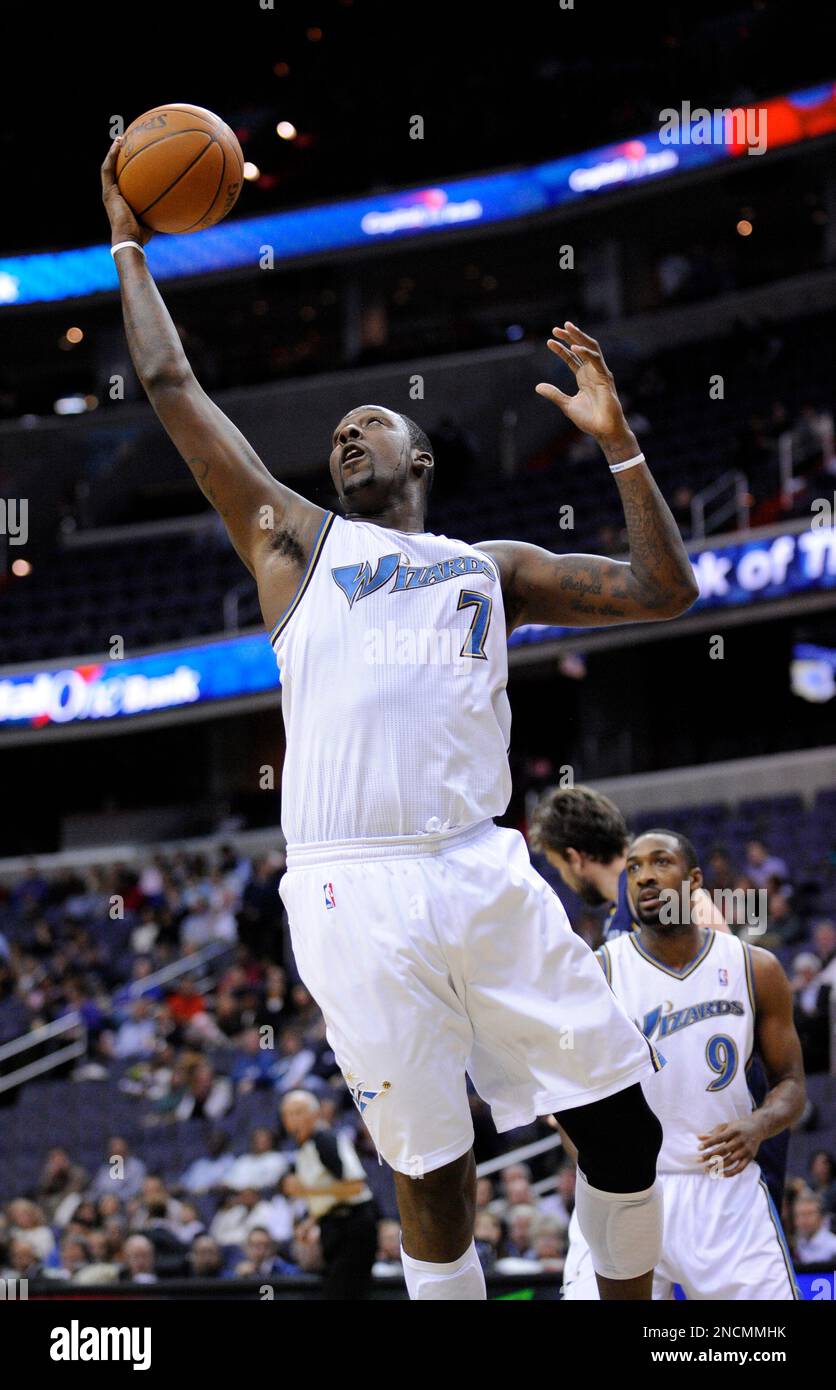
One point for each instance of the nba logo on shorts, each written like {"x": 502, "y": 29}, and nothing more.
{"x": 328, "y": 890}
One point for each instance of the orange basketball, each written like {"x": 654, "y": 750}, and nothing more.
{"x": 180, "y": 168}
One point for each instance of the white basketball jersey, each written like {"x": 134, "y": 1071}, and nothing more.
{"x": 702, "y": 1021}
{"x": 394, "y": 668}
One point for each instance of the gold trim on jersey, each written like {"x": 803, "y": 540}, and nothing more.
{"x": 606, "y": 963}
{"x": 666, "y": 969}
{"x": 750, "y": 977}
{"x": 324, "y": 528}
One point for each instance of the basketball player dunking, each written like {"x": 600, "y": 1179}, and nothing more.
{"x": 430, "y": 943}
{"x": 709, "y": 1001}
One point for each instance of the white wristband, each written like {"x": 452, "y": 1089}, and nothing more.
{"x": 120, "y": 244}
{"x": 628, "y": 463}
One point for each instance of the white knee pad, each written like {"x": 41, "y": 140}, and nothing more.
{"x": 622, "y": 1229}
{"x": 461, "y": 1280}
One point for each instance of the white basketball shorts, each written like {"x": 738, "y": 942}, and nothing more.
{"x": 448, "y": 956}
{"x": 722, "y": 1240}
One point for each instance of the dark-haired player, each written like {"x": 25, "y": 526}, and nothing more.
{"x": 420, "y": 927}
{"x": 708, "y": 1000}
{"x": 584, "y": 835}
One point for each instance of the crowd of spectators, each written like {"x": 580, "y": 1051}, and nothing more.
{"x": 141, "y": 1228}
{"x": 87, "y": 941}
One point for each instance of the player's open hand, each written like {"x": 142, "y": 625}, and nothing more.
{"x": 736, "y": 1143}
{"x": 595, "y": 408}
{"x": 124, "y": 224}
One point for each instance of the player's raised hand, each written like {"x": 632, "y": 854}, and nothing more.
{"x": 124, "y": 225}
{"x": 595, "y": 407}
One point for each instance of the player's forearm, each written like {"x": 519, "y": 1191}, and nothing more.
{"x": 659, "y": 562}
{"x": 782, "y": 1107}
{"x": 153, "y": 340}
{"x": 340, "y": 1187}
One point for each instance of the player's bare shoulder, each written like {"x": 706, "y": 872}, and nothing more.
{"x": 503, "y": 554}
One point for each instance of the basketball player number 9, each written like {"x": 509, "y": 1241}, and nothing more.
{"x": 474, "y": 644}
{"x": 721, "y": 1056}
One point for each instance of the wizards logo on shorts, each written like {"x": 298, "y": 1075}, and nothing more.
{"x": 363, "y": 1095}
{"x": 328, "y": 890}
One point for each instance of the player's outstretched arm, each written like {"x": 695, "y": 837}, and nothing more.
{"x": 588, "y": 590}
{"x": 737, "y": 1142}
{"x": 271, "y": 527}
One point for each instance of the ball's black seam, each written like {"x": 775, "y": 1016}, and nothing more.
{"x": 166, "y": 135}
{"x": 217, "y": 192}
{"x": 181, "y": 175}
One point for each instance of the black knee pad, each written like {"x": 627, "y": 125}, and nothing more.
{"x": 618, "y": 1140}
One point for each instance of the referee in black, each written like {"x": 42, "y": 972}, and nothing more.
{"x": 329, "y": 1176}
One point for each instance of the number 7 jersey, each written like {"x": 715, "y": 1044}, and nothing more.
{"x": 394, "y": 668}
{"x": 702, "y": 1021}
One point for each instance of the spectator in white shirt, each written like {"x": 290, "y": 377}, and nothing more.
{"x": 209, "y": 1173}
{"x": 261, "y": 1167}
{"x": 27, "y": 1223}
{"x": 121, "y": 1173}
{"x": 242, "y": 1211}
{"x": 815, "y": 1243}
{"x": 137, "y": 1036}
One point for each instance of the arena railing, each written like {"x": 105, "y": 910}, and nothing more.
{"x": 790, "y": 459}
{"x": 731, "y": 493}
{"x": 187, "y": 965}
{"x": 526, "y": 1151}
{"x": 72, "y": 1026}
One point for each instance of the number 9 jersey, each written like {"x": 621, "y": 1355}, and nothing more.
{"x": 702, "y": 1019}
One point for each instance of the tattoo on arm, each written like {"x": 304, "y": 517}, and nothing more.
{"x": 201, "y": 468}
{"x": 577, "y": 585}
{"x": 598, "y": 610}
{"x": 580, "y": 584}
{"x": 658, "y": 558}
